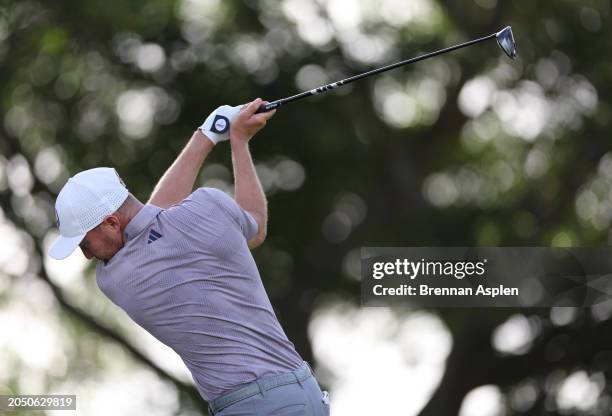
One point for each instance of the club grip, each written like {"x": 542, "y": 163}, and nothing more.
{"x": 268, "y": 107}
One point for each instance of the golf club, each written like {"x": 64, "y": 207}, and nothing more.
{"x": 504, "y": 38}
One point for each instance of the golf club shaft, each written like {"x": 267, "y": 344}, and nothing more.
{"x": 324, "y": 88}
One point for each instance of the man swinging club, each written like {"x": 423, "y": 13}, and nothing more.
{"x": 181, "y": 268}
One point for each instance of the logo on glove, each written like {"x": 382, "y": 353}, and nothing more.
{"x": 220, "y": 124}
{"x": 217, "y": 124}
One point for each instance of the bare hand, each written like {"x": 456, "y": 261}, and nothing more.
{"x": 247, "y": 123}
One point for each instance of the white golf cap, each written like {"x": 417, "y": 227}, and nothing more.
{"x": 82, "y": 204}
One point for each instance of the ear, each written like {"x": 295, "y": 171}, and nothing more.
{"x": 112, "y": 221}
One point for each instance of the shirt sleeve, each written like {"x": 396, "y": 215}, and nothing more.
{"x": 241, "y": 218}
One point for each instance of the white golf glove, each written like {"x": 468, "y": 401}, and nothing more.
{"x": 217, "y": 125}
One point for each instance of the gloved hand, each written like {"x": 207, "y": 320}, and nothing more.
{"x": 217, "y": 125}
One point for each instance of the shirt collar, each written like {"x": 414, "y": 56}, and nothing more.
{"x": 140, "y": 221}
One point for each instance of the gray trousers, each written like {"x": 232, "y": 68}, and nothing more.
{"x": 295, "y": 393}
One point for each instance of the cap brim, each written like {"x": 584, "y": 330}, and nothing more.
{"x": 64, "y": 246}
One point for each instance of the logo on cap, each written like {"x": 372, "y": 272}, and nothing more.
{"x": 220, "y": 124}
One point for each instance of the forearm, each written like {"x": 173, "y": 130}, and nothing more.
{"x": 177, "y": 182}
{"x": 248, "y": 191}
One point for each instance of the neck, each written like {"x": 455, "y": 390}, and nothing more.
{"x": 130, "y": 212}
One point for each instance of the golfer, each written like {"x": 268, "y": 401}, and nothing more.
{"x": 181, "y": 268}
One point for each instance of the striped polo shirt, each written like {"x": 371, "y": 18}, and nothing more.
{"x": 187, "y": 276}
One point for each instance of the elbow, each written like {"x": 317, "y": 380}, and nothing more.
{"x": 259, "y": 238}
{"x": 256, "y": 241}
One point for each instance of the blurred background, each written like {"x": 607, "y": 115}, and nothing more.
{"x": 468, "y": 148}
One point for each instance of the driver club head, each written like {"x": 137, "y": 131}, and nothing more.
{"x": 505, "y": 40}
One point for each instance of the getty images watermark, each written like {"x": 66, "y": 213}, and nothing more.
{"x": 486, "y": 276}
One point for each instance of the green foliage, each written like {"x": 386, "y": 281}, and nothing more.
{"x": 464, "y": 149}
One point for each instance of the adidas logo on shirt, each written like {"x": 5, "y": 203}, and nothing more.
{"x": 153, "y": 236}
